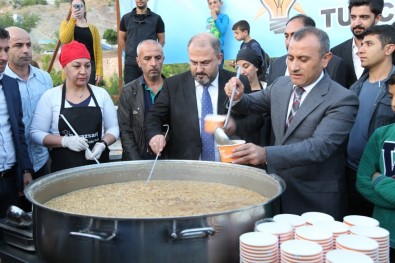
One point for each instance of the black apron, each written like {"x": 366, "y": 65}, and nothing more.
{"x": 87, "y": 122}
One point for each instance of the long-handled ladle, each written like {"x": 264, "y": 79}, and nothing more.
{"x": 75, "y": 133}
{"x": 157, "y": 155}
{"x": 219, "y": 135}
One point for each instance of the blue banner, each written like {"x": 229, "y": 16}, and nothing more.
{"x": 185, "y": 18}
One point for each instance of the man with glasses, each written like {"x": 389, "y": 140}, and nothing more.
{"x": 138, "y": 25}
{"x": 183, "y": 101}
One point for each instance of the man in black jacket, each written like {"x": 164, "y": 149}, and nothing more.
{"x": 363, "y": 15}
{"x": 180, "y": 102}
{"x": 137, "y": 98}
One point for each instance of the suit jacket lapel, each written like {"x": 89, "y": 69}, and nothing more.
{"x": 283, "y": 108}
{"x": 310, "y": 103}
{"x": 190, "y": 99}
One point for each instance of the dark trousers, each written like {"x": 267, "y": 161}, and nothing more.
{"x": 356, "y": 203}
{"x": 131, "y": 72}
{"x": 92, "y": 79}
{"x": 23, "y": 202}
{"x": 8, "y": 194}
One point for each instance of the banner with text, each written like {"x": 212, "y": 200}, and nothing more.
{"x": 185, "y": 18}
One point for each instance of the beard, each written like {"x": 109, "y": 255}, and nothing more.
{"x": 203, "y": 78}
{"x": 360, "y": 35}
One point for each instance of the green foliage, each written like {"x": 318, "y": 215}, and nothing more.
{"x": 25, "y": 21}
{"x": 174, "y": 69}
{"x": 112, "y": 87}
{"x": 169, "y": 70}
{"x": 20, "y": 3}
{"x": 56, "y": 75}
{"x": 110, "y": 36}
{"x": 6, "y": 20}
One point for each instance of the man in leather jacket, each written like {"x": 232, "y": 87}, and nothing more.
{"x": 137, "y": 98}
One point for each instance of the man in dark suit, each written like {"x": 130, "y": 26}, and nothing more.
{"x": 336, "y": 67}
{"x": 312, "y": 116}
{"x": 180, "y": 102}
{"x": 363, "y": 15}
{"x": 15, "y": 166}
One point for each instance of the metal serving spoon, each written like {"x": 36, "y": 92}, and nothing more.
{"x": 156, "y": 158}
{"x": 219, "y": 135}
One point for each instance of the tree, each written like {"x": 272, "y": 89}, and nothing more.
{"x": 26, "y": 21}
{"x": 110, "y": 36}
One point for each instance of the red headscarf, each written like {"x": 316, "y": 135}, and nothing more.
{"x": 72, "y": 51}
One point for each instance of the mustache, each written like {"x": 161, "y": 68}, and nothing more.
{"x": 358, "y": 27}
{"x": 201, "y": 74}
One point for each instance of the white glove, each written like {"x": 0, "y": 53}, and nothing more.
{"x": 96, "y": 151}
{"x": 75, "y": 143}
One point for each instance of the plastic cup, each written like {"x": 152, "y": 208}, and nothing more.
{"x": 225, "y": 151}
{"x": 212, "y": 122}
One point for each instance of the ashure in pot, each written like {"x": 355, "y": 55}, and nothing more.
{"x": 65, "y": 237}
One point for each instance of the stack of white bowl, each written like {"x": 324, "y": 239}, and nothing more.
{"x": 292, "y": 251}
{"x": 293, "y": 220}
{"x": 359, "y": 243}
{"x": 258, "y": 247}
{"x": 381, "y": 235}
{"x": 321, "y": 236}
{"x": 337, "y": 228}
{"x": 345, "y": 256}
{"x": 283, "y": 231}
{"x": 313, "y": 217}
{"x": 356, "y": 220}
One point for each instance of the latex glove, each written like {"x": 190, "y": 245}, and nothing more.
{"x": 96, "y": 151}
{"x": 75, "y": 143}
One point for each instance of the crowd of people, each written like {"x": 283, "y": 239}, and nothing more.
{"x": 321, "y": 118}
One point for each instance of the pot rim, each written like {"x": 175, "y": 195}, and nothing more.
{"x": 70, "y": 172}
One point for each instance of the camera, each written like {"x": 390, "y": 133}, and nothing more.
{"x": 78, "y": 6}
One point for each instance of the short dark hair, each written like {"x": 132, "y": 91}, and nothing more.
{"x": 391, "y": 80}
{"x": 376, "y": 6}
{"x": 320, "y": 34}
{"x": 242, "y": 25}
{"x": 307, "y": 21}
{"x": 385, "y": 33}
{"x": 4, "y": 34}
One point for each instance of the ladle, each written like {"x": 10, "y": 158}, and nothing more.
{"x": 17, "y": 217}
{"x": 157, "y": 155}
{"x": 219, "y": 135}
{"x": 75, "y": 133}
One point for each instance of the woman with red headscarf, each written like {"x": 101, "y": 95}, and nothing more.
{"x": 88, "y": 109}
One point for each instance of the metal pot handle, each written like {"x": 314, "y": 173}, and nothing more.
{"x": 95, "y": 236}
{"x": 100, "y": 236}
{"x": 193, "y": 233}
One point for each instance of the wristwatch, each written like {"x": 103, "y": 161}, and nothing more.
{"x": 105, "y": 143}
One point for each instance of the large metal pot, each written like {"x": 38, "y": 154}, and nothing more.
{"x": 64, "y": 237}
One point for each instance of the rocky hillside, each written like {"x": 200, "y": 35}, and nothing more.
{"x": 99, "y": 12}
